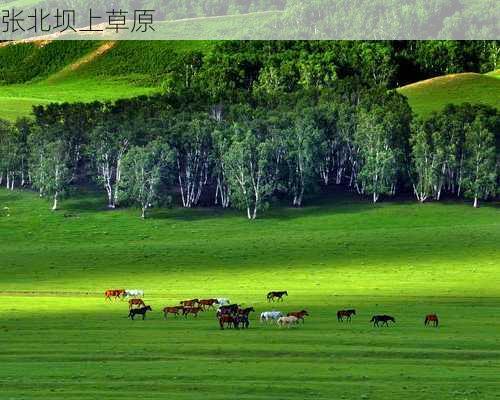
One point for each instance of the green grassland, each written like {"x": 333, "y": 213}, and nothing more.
{"x": 61, "y": 340}
{"x": 433, "y": 94}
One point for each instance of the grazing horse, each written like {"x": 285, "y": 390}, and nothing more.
{"x": 136, "y": 302}
{"x": 287, "y": 321}
{"x": 276, "y": 295}
{"x": 299, "y": 314}
{"x": 208, "y": 303}
{"x": 114, "y": 293}
{"x": 189, "y": 303}
{"x": 245, "y": 311}
{"x": 134, "y": 293}
{"x": 431, "y": 318}
{"x": 345, "y": 313}
{"x": 191, "y": 310}
{"x": 382, "y": 318}
{"x": 267, "y": 316}
{"x": 142, "y": 311}
{"x": 172, "y": 310}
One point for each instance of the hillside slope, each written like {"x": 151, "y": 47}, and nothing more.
{"x": 88, "y": 72}
{"x": 433, "y": 94}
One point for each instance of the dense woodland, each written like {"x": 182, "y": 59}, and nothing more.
{"x": 249, "y": 124}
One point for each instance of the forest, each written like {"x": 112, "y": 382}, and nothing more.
{"x": 252, "y": 124}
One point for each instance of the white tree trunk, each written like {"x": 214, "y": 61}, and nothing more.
{"x": 54, "y": 207}
{"x": 476, "y": 202}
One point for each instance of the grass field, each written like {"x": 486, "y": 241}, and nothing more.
{"x": 61, "y": 340}
{"x": 433, "y": 94}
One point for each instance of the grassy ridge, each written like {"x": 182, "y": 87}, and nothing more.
{"x": 433, "y": 94}
{"x": 405, "y": 259}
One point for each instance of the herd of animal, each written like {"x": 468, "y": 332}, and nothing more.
{"x": 233, "y": 316}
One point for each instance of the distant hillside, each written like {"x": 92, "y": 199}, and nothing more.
{"x": 40, "y": 73}
{"x": 433, "y": 94}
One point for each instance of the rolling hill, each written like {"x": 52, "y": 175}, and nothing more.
{"x": 433, "y": 94}
{"x": 92, "y": 71}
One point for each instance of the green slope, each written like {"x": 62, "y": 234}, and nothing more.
{"x": 433, "y": 94}
{"x": 99, "y": 71}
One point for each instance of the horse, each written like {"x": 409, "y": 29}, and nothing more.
{"x": 287, "y": 321}
{"x": 228, "y": 320}
{"x": 243, "y": 321}
{"x": 299, "y": 314}
{"x": 278, "y": 295}
{"x": 189, "y": 303}
{"x": 134, "y": 311}
{"x": 136, "y": 302}
{"x": 222, "y": 301}
{"x": 191, "y": 310}
{"x": 270, "y": 316}
{"x": 431, "y": 318}
{"x": 208, "y": 303}
{"x": 115, "y": 293}
{"x": 345, "y": 313}
{"x": 382, "y": 318}
{"x": 245, "y": 311}
{"x": 172, "y": 310}
{"x": 227, "y": 310}
{"x": 134, "y": 293}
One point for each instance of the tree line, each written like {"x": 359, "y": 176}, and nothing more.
{"x": 246, "y": 154}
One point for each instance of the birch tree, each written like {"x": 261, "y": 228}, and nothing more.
{"x": 51, "y": 175}
{"x": 249, "y": 169}
{"x": 109, "y": 143}
{"x": 192, "y": 148}
{"x": 424, "y": 163}
{"x": 378, "y": 171}
{"x": 142, "y": 174}
{"x": 221, "y": 142}
{"x": 480, "y": 171}
{"x": 300, "y": 144}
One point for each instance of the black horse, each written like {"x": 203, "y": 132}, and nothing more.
{"x": 382, "y": 318}
{"x": 276, "y": 295}
{"x": 345, "y": 313}
{"x": 142, "y": 311}
{"x": 231, "y": 309}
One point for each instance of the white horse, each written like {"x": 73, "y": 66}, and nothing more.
{"x": 223, "y": 301}
{"x": 134, "y": 293}
{"x": 287, "y": 321}
{"x": 270, "y": 316}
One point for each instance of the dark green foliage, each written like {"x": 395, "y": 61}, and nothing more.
{"x": 26, "y": 61}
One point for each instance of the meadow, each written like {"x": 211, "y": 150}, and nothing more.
{"x": 62, "y": 340}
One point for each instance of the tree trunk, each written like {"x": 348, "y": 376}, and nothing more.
{"x": 476, "y": 202}
{"x": 143, "y": 213}
{"x": 54, "y": 207}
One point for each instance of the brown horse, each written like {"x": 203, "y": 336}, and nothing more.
{"x": 189, "y": 303}
{"x": 229, "y": 320}
{"x": 136, "y": 302}
{"x": 208, "y": 303}
{"x": 431, "y": 318}
{"x": 298, "y": 314}
{"x": 345, "y": 313}
{"x": 191, "y": 310}
{"x": 172, "y": 310}
{"x": 276, "y": 295}
{"x": 113, "y": 293}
